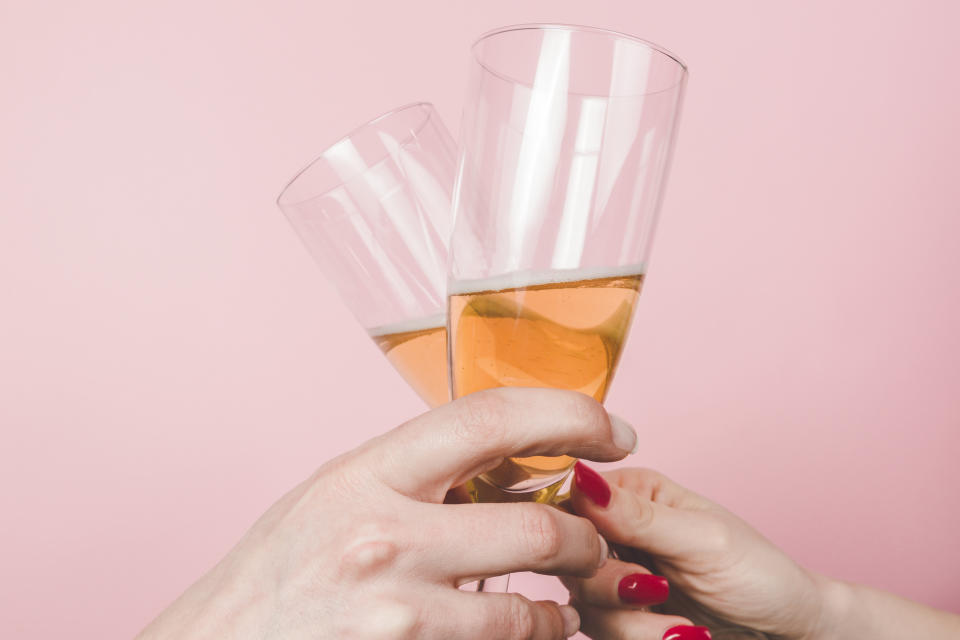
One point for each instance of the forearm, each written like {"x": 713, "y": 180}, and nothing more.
{"x": 853, "y": 611}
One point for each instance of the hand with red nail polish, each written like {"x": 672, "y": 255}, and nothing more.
{"x": 687, "y": 567}
{"x": 368, "y": 548}
{"x": 696, "y": 565}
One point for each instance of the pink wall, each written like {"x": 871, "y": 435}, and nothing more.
{"x": 171, "y": 361}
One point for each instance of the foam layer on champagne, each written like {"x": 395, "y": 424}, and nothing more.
{"x": 416, "y": 324}
{"x": 534, "y": 277}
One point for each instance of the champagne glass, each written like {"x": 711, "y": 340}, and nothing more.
{"x": 374, "y": 211}
{"x": 566, "y": 142}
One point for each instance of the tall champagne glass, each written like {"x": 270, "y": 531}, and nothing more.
{"x": 566, "y": 142}
{"x": 374, "y": 211}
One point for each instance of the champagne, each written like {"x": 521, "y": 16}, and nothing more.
{"x": 418, "y": 351}
{"x": 561, "y": 329}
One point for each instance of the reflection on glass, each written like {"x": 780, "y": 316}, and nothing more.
{"x": 374, "y": 211}
{"x": 566, "y": 141}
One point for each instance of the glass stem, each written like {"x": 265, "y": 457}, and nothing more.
{"x": 496, "y": 584}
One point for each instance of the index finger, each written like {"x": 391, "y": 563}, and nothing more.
{"x": 629, "y": 512}
{"x": 458, "y": 441}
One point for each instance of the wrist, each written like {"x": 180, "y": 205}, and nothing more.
{"x": 216, "y": 606}
{"x": 835, "y": 604}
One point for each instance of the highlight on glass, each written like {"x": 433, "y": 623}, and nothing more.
{"x": 374, "y": 211}
{"x": 566, "y": 142}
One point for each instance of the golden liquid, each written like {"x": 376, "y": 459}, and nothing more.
{"x": 565, "y": 335}
{"x": 420, "y": 356}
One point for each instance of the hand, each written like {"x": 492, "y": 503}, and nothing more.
{"x": 720, "y": 571}
{"x": 365, "y": 548}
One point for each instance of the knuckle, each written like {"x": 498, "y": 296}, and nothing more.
{"x": 587, "y": 410}
{"x": 585, "y": 541}
{"x": 541, "y": 531}
{"x": 649, "y": 482}
{"x": 554, "y": 621}
{"x": 481, "y": 418}
{"x": 389, "y": 619}
{"x": 716, "y": 536}
{"x": 371, "y": 548}
{"x": 638, "y": 519}
{"x": 642, "y": 514}
{"x": 591, "y": 422}
{"x": 520, "y": 622}
{"x": 338, "y": 478}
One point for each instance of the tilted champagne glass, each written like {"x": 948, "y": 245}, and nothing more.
{"x": 566, "y": 141}
{"x": 374, "y": 211}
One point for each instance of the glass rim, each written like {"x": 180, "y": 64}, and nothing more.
{"x": 430, "y": 108}
{"x": 559, "y": 26}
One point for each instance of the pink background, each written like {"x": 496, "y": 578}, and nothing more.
{"x": 171, "y": 361}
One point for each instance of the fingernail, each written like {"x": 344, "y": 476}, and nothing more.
{"x": 571, "y": 620}
{"x": 624, "y": 436}
{"x": 686, "y": 632}
{"x": 643, "y": 589}
{"x": 604, "y": 551}
{"x": 591, "y": 484}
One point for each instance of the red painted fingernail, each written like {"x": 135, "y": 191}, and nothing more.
{"x": 643, "y": 589}
{"x": 591, "y": 484}
{"x": 686, "y": 632}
